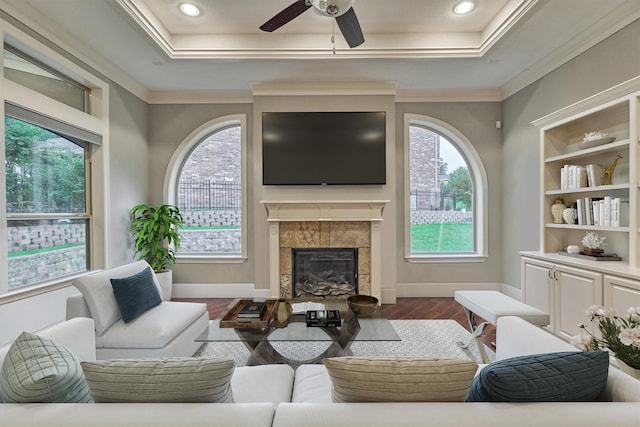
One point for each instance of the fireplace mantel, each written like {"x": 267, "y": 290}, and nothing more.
{"x": 326, "y": 211}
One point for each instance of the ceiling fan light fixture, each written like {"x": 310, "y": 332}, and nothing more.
{"x": 333, "y": 8}
{"x": 189, "y": 9}
{"x": 464, "y": 7}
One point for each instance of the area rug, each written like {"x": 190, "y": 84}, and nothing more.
{"x": 424, "y": 338}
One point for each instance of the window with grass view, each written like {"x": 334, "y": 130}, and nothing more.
{"x": 210, "y": 195}
{"x": 46, "y": 204}
{"x": 441, "y": 195}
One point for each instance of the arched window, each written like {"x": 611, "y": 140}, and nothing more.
{"x": 445, "y": 186}
{"x": 207, "y": 184}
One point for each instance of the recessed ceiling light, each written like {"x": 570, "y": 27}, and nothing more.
{"x": 464, "y": 7}
{"x": 189, "y": 9}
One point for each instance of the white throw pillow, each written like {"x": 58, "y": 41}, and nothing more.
{"x": 98, "y": 293}
{"x": 171, "y": 380}
{"x": 39, "y": 370}
{"x": 399, "y": 379}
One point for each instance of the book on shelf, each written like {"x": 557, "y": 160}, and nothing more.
{"x": 323, "y": 318}
{"x": 607, "y": 211}
{"x": 252, "y": 310}
{"x": 303, "y": 307}
{"x": 594, "y": 174}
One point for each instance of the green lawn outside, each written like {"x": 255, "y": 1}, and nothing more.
{"x": 213, "y": 227}
{"x": 442, "y": 238}
{"x": 42, "y": 250}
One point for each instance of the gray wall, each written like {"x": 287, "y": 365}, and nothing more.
{"x": 611, "y": 62}
{"x": 169, "y": 125}
{"x": 128, "y": 171}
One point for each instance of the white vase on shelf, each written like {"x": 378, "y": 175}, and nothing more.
{"x": 556, "y": 211}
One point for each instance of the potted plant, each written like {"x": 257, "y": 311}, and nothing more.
{"x": 618, "y": 334}
{"x": 156, "y": 239}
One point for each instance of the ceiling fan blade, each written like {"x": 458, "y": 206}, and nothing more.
{"x": 350, "y": 28}
{"x": 287, "y": 14}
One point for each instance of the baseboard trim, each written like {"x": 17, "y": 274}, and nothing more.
{"x": 215, "y": 290}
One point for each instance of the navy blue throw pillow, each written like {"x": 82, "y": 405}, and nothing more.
{"x": 550, "y": 377}
{"x": 135, "y": 294}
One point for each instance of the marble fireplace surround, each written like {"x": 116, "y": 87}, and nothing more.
{"x": 322, "y": 224}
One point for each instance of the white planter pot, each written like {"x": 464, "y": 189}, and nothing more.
{"x": 165, "y": 279}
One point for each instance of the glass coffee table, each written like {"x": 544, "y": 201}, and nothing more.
{"x": 259, "y": 341}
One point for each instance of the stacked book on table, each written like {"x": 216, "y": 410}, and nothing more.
{"x": 252, "y": 311}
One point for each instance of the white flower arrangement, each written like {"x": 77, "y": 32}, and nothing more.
{"x": 593, "y": 240}
{"x": 618, "y": 334}
{"x": 592, "y": 136}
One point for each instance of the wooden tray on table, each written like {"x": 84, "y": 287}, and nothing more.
{"x": 230, "y": 319}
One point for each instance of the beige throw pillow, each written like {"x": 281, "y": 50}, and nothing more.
{"x": 399, "y": 379}
{"x": 173, "y": 379}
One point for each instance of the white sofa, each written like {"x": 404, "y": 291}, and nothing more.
{"x": 257, "y": 390}
{"x": 271, "y": 396}
{"x": 166, "y": 330}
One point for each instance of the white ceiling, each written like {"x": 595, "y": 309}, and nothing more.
{"x": 418, "y": 45}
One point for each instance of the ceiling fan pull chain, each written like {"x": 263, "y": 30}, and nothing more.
{"x": 333, "y": 35}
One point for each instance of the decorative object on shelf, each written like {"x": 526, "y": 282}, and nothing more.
{"x": 592, "y": 243}
{"x": 556, "y": 210}
{"x": 607, "y": 173}
{"x": 569, "y": 215}
{"x": 619, "y": 334}
{"x": 282, "y": 313}
{"x": 594, "y": 139}
{"x": 573, "y": 249}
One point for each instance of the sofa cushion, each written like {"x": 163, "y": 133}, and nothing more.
{"x": 399, "y": 379}
{"x": 135, "y": 294}
{"x": 264, "y": 383}
{"x": 39, "y": 370}
{"x": 98, "y": 293}
{"x": 151, "y": 329}
{"x": 312, "y": 384}
{"x": 169, "y": 380}
{"x": 547, "y": 377}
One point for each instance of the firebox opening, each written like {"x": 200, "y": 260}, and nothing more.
{"x": 325, "y": 272}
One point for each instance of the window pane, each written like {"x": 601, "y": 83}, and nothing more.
{"x": 441, "y": 195}
{"x": 45, "y": 172}
{"x": 43, "y": 250}
{"x": 27, "y": 72}
{"x": 210, "y": 196}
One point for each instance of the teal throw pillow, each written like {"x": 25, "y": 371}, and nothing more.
{"x": 550, "y": 377}
{"x": 38, "y": 370}
{"x": 135, "y": 294}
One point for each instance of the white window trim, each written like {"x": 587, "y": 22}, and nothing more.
{"x": 97, "y": 121}
{"x": 480, "y": 194}
{"x": 180, "y": 155}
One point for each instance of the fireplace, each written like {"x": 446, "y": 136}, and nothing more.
{"x": 325, "y": 272}
{"x": 325, "y": 224}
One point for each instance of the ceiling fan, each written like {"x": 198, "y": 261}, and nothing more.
{"x": 341, "y": 10}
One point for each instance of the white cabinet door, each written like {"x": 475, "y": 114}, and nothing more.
{"x": 575, "y": 291}
{"x": 621, "y": 293}
{"x": 537, "y": 286}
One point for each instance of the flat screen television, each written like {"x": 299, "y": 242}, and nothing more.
{"x": 324, "y": 148}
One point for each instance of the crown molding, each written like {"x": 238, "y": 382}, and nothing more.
{"x": 199, "y": 97}
{"x": 323, "y": 88}
{"x": 450, "y": 95}
{"x": 279, "y": 46}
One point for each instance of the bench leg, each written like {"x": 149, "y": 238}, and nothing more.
{"x": 476, "y": 334}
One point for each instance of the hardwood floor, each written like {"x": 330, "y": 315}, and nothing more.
{"x": 403, "y": 309}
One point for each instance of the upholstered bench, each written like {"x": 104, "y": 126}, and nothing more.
{"x": 491, "y": 305}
